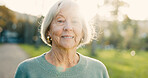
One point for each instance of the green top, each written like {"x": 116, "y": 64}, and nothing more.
{"x": 38, "y": 67}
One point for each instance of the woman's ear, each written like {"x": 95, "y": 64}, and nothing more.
{"x": 48, "y": 33}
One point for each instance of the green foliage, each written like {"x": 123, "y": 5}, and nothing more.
{"x": 6, "y": 16}
{"x": 115, "y": 37}
{"x": 124, "y": 35}
{"x": 32, "y": 51}
{"x": 131, "y": 32}
{"x": 120, "y": 64}
{"x": 144, "y": 43}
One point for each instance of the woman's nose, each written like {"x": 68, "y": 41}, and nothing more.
{"x": 68, "y": 27}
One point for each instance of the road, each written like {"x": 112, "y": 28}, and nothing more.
{"x": 10, "y": 56}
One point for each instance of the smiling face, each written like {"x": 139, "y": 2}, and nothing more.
{"x": 66, "y": 27}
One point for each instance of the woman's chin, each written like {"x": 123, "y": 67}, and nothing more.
{"x": 67, "y": 46}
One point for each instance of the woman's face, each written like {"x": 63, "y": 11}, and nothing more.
{"x": 66, "y": 28}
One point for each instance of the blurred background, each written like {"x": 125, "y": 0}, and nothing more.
{"x": 121, "y": 25}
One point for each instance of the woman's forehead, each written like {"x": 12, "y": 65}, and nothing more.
{"x": 71, "y": 15}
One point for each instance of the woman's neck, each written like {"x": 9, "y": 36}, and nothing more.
{"x": 64, "y": 58}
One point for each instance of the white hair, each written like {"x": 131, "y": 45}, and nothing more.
{"x": 88, "y": 31}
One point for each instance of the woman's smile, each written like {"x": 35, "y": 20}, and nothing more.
{"x": 67, "y": 37}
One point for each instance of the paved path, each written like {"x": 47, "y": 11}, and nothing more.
{"x": 10, "y": 56}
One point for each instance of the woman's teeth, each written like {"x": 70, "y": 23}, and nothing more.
{"x": 67, "y": 37}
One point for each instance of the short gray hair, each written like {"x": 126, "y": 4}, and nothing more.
{"x": 88, "y": 31}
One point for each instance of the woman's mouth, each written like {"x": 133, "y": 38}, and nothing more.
{"x": 67, "y": 36}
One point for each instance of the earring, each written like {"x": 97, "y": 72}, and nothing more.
{"x": 48, "y": 39}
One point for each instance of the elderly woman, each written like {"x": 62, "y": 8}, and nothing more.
{"x": 65, "y": 30}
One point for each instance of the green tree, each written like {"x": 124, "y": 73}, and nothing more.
{"x": 115, "y": 37}
{"x": 130, "y": 34}
{"x": 7, "y": 17}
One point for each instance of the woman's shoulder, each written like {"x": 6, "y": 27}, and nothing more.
{"x": 93, "y": 62}
{"x": 29, "y": 62}
{"x": 95, "y": 65}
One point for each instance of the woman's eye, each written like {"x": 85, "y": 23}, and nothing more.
{"x": 60, "y": 21}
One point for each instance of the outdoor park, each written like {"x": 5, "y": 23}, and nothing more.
{"x": 122, "y": 43}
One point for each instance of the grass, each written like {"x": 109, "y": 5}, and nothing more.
{"x": 120, "y": 64}
{"x": 33, "y": 51}
{"x": 123, "y": 64}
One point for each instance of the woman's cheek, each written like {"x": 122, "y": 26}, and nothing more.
{"x": 78, "y": 35}
{"x": 57, "y": 31}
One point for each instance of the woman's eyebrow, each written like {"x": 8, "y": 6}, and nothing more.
{"x": 59, "y": 15}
